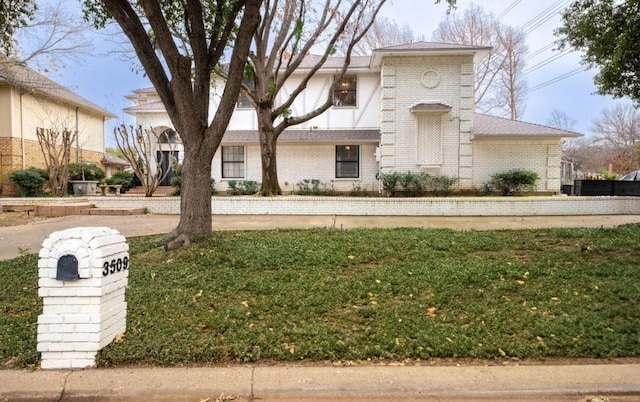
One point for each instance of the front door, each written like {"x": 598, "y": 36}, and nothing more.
{"x": 168, "y": 162}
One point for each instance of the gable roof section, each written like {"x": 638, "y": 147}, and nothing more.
{"x": 315, "y": 135}
{"x": 28, "y": 80}
{"x": 486, "y": 126}
{"x": 428, "y": 49}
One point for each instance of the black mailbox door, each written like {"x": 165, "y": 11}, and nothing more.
{"x": 67, "y": 268}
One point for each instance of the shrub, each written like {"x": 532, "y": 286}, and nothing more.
{"x": 514, "y": 181}
{"x": 176, "y": 182}
{"x": 389, "y": 181}
{"x": 125, "y": 179}
{"x": 85, "y": 171}
{"x": 30, "y": 181}
{"x": 358, "y": 191}
{"x": 443, "y": 185}
{"x": 314, "y": 187}
{"x": 242, "y": 187}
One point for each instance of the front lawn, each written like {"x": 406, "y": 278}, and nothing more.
{"x": 326, "y": 294}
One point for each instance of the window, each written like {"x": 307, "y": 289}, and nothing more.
{"x": 345, "y": 91}
{"x": 347, "y": 161}
{"x": 168, "y": 136}
{"x": 233, "y": 162}
{"x": 244, "y": 101}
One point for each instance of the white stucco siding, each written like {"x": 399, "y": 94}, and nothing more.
{"x": 540, "y": 156}
{"x": 297, "y": 162}
{"x": 32, "y": 113}
{"x": 6, "y": 118}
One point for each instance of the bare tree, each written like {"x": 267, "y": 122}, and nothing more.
{"x": 500, "y": 82}
{"x": 586, "y": 156}
{"x": 383, "y": 33}
{"x": 298, "y": 25}
{"x": 143, "y": 149}
{"x": 617, "y": 127}
{"x": 53, "y": 37}
{"x": 55, "y": 144}
{"x": 560, "y": 119}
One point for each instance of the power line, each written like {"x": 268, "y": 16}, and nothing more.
{"x": 509, "y": 8}
{"x": 541, "y": 50}
{"x": 547, "y": 61}
{"x": 544, "y": 16}
{"x": 556, "y": 79}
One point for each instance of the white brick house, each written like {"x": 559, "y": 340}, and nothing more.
{"x": 405, "y": 108}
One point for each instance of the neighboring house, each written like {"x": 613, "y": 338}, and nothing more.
{"x": 113, "y": 164}
{"x": 28, "y": 101}
{"x": 405, "y": 108}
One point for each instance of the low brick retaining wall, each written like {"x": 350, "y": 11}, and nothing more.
{"x": 362, "y": 206}
{"x": 449, "y": 206}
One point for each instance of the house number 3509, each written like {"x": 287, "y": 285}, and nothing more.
{"x": 116, "y": 265}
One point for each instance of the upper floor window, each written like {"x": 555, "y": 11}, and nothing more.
{"x": 345, "y": 91}
{"x": 347, "y": 161}
{"x": 233, "y": 162}
{"x": 168, "y": 136}
{"x": 244, "y": 101}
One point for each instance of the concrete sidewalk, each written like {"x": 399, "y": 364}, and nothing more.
{"x": 615, "y": 382}
{"x": 30, "y": 236}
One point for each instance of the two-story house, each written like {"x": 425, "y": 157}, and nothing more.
{"x": 30, "y": 101}
{"x": 405, "y": 108}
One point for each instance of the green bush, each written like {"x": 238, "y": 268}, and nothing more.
{"x": 512, "y": 182}
{"x": 124, "y": 179}
{"x": 85, "y": 171}
{"x": 30, "y": 181}
{"x": 389, "y": 181}
{"x": 314, "y": 187}
{"x": 242, "y": 187}
{"x": 443, "y": 185}
{"x": 176, "y": 182}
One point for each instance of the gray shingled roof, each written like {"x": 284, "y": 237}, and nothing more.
{"x": 427, "y": 106}
{"x": 421, "y": 45}
{"x": 26, "y": 79}
{"x": 485, "y": 125}
{"x": 332, "y": 136}
{"x": 146, "y": 107}
{"x": 114, "y": 160}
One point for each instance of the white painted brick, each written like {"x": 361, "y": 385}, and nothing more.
{"x": 87, "y": 327}
{"x": 60, "y": 328}
{"x": 53, "y": 364}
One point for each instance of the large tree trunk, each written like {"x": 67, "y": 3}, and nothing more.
{"x": 195, "y": 197}
{"x": 270, "y": 185}
{"x": 268, "y": 141}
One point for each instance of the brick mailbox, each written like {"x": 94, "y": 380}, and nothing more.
{"x": 83, "y": 274}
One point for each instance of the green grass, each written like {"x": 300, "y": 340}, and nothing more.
{"x": 314, "y": 295}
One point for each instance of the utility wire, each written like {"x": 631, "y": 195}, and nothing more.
{"x": 547, "y": 61}
{"x": 544, "y": 16}
{"x": 540, "y": 51}
{"x": 511, "y": 6}
{"x": 556, "y": 79}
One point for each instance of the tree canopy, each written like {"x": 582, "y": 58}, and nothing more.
{"x": 180, "y": 44}
{"x": 608, "y": 31}
{"x": 13, "y": 15}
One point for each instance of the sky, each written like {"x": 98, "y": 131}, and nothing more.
{"x": 105, "y": 78}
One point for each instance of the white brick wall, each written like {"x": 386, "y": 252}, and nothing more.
{"x": 449, "y": 206}
{"x": 494, "y": 156}
{"x": 81, "y": 316}
{"x": 403, "y": 88}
